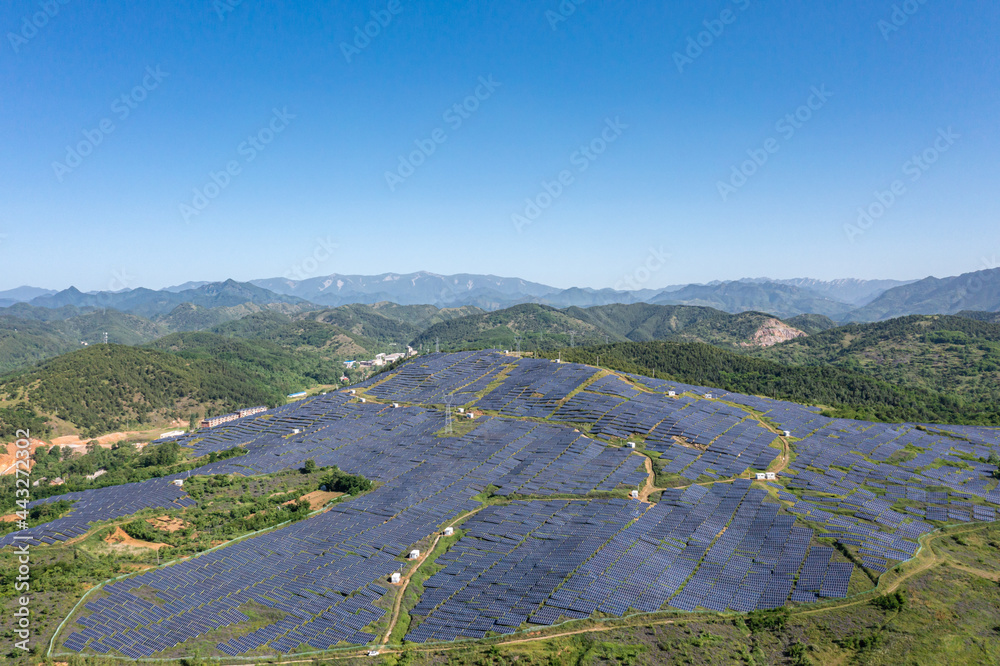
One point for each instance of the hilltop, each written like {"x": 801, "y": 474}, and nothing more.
{"x": 107, "y": 387}
{"x": 956, "y": 355}
{"x": 545, "y": 327}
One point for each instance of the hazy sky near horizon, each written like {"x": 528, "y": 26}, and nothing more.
{"x": 568, "y": 144}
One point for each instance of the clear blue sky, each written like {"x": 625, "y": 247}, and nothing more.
{"x": 116, "y": 219}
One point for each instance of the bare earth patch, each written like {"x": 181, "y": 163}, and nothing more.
{"x": 317, "y": 499}
{"x": 120, "y": 538}
{"x": 166, "y": 523}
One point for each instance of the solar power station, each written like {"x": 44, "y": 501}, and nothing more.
{"x": 568, "y": 541}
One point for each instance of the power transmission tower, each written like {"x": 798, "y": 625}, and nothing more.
{"x": 572, "y": 338}
{"x": 437, "y": 345}
{"x": 105, "y": 337}
{"x": 517, "y": 339}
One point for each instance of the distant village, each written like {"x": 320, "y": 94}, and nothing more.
{"x": 381, "y": 360}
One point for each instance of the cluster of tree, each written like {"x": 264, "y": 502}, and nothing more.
{"x": 266, "y": 364}
{"x": 22, "y": 417}
{"x": 894, "y": 601}
{"x": 234, "y": 452}
{"x": 338, "y": 481}
{"x": 848, "y": 394}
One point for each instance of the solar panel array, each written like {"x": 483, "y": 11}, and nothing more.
{"x": 91, "y": 506}
{"x": 534, "y": 387}
{"x": 511, "y": 559}
{"x": 724, "y": 546}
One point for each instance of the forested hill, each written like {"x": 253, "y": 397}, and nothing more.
{"x": 107, "y": 387}
{"x": 845, "y": 394}
{"x": 544, "y": 327}
{"x": 955, "y": 355}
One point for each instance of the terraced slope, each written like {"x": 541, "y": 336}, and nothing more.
{"x": 538, "y": 488}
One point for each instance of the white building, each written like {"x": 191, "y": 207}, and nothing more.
{"x": 414, "y": 554}
{"x": 449, "y": 531}
{"x": 394, "y": 579}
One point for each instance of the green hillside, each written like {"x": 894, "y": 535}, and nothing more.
{"x": 544, "y": 327}
{"x": 989, "y": 317}
{"x": 782, "y": 300}
{"x": 421, "y": 316}
{"x": 24, "y": 342}
{"x": 366, "y": 322}
{"x": 812, "y": 323}
{"x": 642, "y": 323}
{"x": 539, "y": 327}
{"x": 190, "y": 317}
{"x": 331, "y": 341}
{"x": 106, "y": 387}
{"x": 30, "y": 334}
{"x": 281, "y": 369}
{"x": 954, "y": 355}
{"x": 847, "y": 394}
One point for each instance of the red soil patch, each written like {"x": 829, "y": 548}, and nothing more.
{"x": 120, "y": 538}
{"x": 317, "y": 499}
{"x": 166, "y": 523}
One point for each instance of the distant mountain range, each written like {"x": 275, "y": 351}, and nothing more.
{"x": 147, "y": 302}
{"x": 972, "y": 291}
{"x": 839, "y": 300}
{"x": 779, "y": 297}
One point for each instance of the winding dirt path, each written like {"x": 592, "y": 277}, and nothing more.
{"x": 405, "y": 580}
